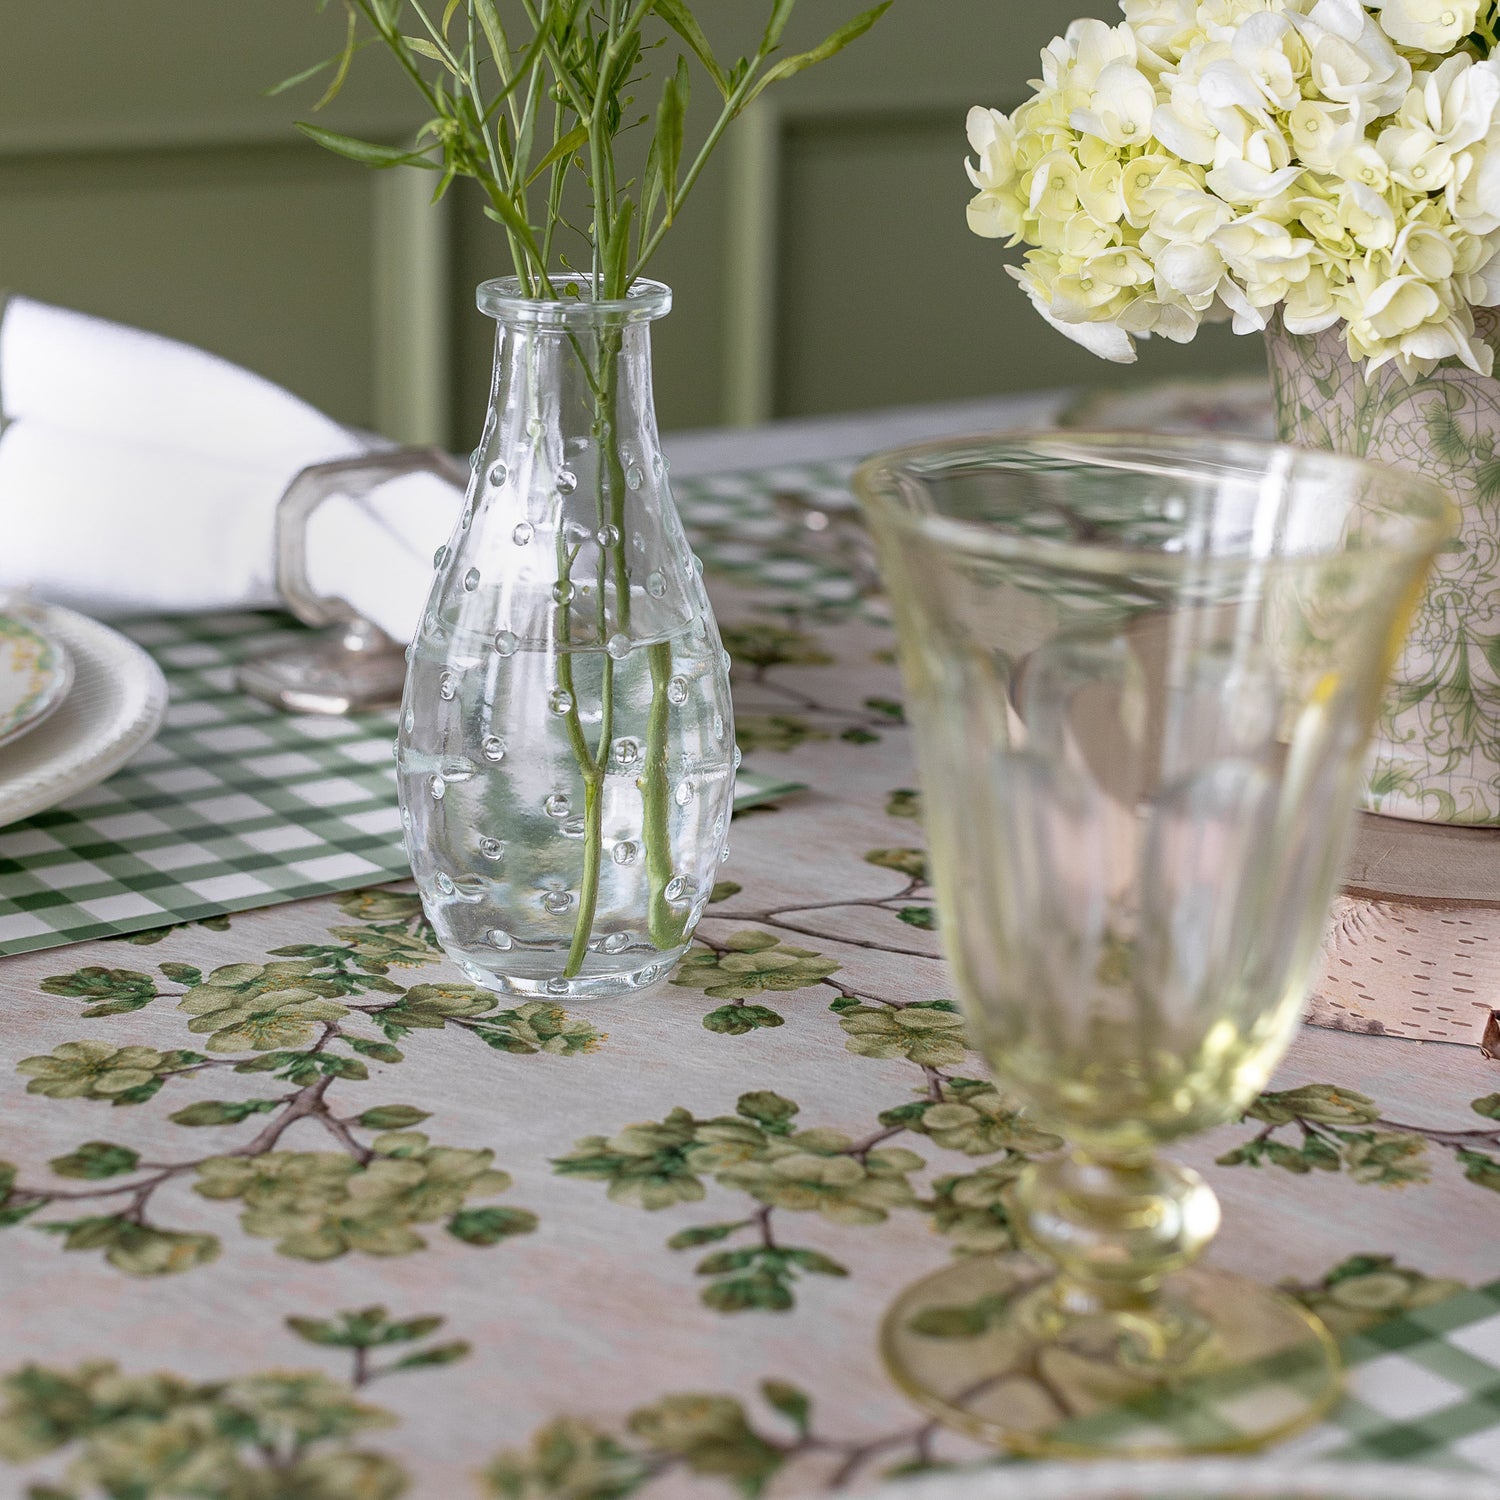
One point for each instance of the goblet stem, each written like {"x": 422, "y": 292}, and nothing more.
{"x": 1114, "y": 1229}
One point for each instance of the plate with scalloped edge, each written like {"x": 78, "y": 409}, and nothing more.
{"x": 36, "y": 672}
{"x": 115, "y": 706}
{"x": 1194, "y": 1479}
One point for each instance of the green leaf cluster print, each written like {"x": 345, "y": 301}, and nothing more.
{"x": 319, "y": 1204}
{"x": 111, "y": 992}
{"x": 744, "y": 966}
{"x": 160, "y": 1436}
{"x": 277, "y": 1435}
{"x": 370, "y": 1329}
{"x": 928, "y": 1033}
{"x": 1339, "y": 1130}
{"x": 98, "y": 1070}
{"x": 281, "y": 1039}
{"x": 703, "y": 1439}
{"x": 757, "y": 1151}
{"x": 705, "y": 1436}
{"x": 1365, "y": 1289}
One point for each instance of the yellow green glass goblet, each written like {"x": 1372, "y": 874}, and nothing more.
{"x": 1142, "y": 672}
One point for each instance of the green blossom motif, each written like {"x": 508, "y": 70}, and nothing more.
{"x": 112, "y": 992}
{"x": 1319, "y": 1103}
{"x": 711, "y": 1434}
{"x": 755, "y": 963}
{"x": 381, "y": 906}
{"x": 820, "y": 1171}
{"x": 567, "y": 1458}
{"x": 259, "y": 1007}
{"x": 974, "y": 1210}
{"x": 1365, "y": 1289}
{"x": 378, "y": 950}
{"x": 137, "y": 1249}
{"x": 96, "y": 1070}
{"x": 144, "y": 1437}
{"x": 904, "y": 802}
{"x": 931, "y": 1036}
{"x": 1386, "y": 1158}
{"x": 648, "y": 1165}
{"x": 909, "y": 862}
{"x": 429, "y": 1007}
{"x": 319, "y": 1205}
{"x": 538, "y": 1026}
{"x": 762, "y": 646}
{"x": 708, "y": 1436}
{"x": 972, "y": 1117}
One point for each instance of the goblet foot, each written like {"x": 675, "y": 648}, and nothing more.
{"x": 994, "y": 1347}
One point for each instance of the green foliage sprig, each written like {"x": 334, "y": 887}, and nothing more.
{"x": 518, "y": 106}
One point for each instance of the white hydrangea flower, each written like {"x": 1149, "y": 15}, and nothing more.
{"x": 1351, "y": 60}
{"x": 1427, "y": 25}
{"x": 1237, "y": 160}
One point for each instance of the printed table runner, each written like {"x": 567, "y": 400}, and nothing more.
{"x": 290, "y": 1208}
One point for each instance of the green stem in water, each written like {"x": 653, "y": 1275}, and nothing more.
{"x": 593, "y": 855}
{"x": 608, "y": 500}
{"x": 665, "y": 926}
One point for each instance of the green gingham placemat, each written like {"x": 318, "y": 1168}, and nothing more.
{"x": 236, "y": 806}
{"x": 233, "y": 806}
{"x": 739, "y": 532}
{"x": 1424, "y": 1388}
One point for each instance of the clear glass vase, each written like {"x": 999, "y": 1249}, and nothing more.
{"x": 566, "y": 753}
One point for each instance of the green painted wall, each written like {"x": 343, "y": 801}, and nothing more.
{"x": 824, "y": 265}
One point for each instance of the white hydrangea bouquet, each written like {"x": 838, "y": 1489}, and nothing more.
{"x": 1334, "y": 162}
{"x": 1329, "y": 172}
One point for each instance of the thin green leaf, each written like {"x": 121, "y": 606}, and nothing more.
{"x": 578, "y": 136}
{"x": 494, "y": 32}
{"x": 678, "y": 15}
{"x": 651, "y": 189}
{"x": 302, "y": 77}
{"x": 788, "y": 67}
{"x": 345, "y": 58}
{"x": 370, "y": 153}
{"x": 781, "y": 13}
{"x": 423, "y": 48}
{"x": 448, "y": 14}
{"x": 670, "y": 119}
{"x": 617, "y": 253}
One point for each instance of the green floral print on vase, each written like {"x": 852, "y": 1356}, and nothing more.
{"x": 1436, "y": 753}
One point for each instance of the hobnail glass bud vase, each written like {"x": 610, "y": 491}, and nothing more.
{"x": 566, "y": 752}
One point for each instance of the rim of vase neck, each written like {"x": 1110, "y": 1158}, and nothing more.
{"x": 505, "y": 298}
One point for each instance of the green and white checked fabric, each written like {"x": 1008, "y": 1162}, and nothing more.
{"x": 741, "y": 532}
{"x": 1423, "y": 1389}
{"x": 233, "y": 806}
{"x": 236, "y": 806}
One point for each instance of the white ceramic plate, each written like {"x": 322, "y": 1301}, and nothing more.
{"x": 35, "y": 675}
{"x": 116, "y": 705}
{"x": 1195, "y": 1479}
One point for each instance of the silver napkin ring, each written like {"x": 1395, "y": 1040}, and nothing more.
{"x": 354, "y": 665}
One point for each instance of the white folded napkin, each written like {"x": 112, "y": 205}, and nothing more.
{"x": 139, "y": 475}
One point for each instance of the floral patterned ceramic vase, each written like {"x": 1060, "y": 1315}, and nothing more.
{"x": 1436, "y": 752}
